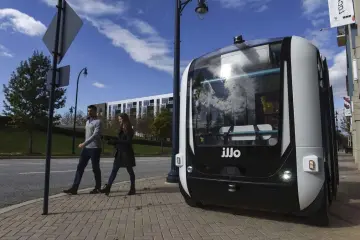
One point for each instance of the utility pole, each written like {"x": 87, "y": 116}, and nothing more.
{"x": 57, "y": 38}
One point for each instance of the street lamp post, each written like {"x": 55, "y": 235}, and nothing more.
{"x": 202, "y": 8}
{"x": 76, "y": 97}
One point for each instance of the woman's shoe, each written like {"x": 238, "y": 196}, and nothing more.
{"x": 106, "y": 189}
{"x": 132, "y": 191}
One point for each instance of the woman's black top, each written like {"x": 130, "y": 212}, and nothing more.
{"x": 124, "y": 155}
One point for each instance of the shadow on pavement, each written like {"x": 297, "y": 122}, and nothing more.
{"x": 280, "y": 217}
{"x": 347, "y": 205}
{"x": 116, "y": 193}
{"x": 137, "y": 208}
{"x": 345, "y": 168}
{"x": 166, "y": 189}
{"x": 347, "y": 160}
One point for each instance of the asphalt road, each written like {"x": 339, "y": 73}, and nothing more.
{"x": 23, "y": 179}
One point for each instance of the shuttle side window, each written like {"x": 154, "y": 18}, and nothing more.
{"x": 320, "y": 72}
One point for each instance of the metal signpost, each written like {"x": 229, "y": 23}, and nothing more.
{"x": 58, "y": 38}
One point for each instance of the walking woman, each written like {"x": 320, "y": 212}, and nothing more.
{"x": 124, "y": 156}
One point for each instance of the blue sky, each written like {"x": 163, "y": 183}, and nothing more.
{"x": 127, "y": 45}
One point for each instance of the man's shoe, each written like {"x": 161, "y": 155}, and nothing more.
{"x": 71, "y": 191}
{"x": 95, "y": 191}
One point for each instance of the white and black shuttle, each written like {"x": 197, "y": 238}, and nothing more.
{"x": 257, "y": 129}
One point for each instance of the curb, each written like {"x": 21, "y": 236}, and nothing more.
{"x": 15, "y": 206}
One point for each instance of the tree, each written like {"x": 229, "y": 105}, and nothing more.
{"x": 26, "y": 95}
{"x": 161, "y": 126}
{"x": 68, "y": 118}
{"x": 144, "y": 124}
{"x": 345, "y": 125}
{"x": 133, "y": 121}
{"x": 198, "y": 89}
{"x": 111, "y": 126}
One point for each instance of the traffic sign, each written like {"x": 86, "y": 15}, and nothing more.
{"x": 70, "y": 25}
{"x": 62, "y": 77}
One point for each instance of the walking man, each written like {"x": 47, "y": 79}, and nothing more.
{"x": 91, "y": 149}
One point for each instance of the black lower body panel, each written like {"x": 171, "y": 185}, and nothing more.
{"x": 274, "y": 197}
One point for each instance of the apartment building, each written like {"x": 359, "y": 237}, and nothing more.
{"x": 137, "y": 107}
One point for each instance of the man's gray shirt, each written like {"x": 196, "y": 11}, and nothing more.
{"x": 93, "y": 133}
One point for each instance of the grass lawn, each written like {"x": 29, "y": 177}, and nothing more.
{"x": 15, "y": 142}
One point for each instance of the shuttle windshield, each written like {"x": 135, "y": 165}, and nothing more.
{"x": 235, "y": 97}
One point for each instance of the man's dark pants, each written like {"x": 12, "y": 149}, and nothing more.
{"x": 85, "y": 155}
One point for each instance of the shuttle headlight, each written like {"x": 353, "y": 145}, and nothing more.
{"x": 286, "y": 176}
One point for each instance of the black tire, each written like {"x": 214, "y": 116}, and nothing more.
{"x": 189, "y": 201}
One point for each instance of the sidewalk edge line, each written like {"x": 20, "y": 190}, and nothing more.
{"x": 18, "y": 205}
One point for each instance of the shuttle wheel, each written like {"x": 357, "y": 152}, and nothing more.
{"x": 189, "y": 201}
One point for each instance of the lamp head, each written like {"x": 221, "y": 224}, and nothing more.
{"x": 202, "y": 7}
{"x": 85, "y": 72}
{"x": 238, "y": 39}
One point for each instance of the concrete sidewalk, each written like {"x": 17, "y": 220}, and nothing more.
{"x": 159, "y": 212}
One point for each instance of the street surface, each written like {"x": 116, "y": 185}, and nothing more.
{"x": 23, "y": 179}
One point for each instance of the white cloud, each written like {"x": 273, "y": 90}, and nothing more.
{"x": 143, "y": 43}
{"x": 322, "y": 40}
{"x": 20, "y": 22}
{"x": 262, "y": 8}
{"x": 140, "y": 11}
{"x": 142, "y": 27}
{"x": 317, "y": 22}
{"x": 93, "y": 7}
{"x": 151, "y": 50}
{"x": 4, "y": 52}
{"x": 310, "y": 6}
{"x": 257, "y": 5}
{"x": 98, "y": 85}
{"x": 321, "y": 14}
{"x": 337, "y": 74}
{"x": 316, "y": 11}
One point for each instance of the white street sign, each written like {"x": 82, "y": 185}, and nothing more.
{"x": 341, "y": 12}
{"x": 347, "y": 112}
{"x": 62, "y": 77}
{"x": 70, "y": 25}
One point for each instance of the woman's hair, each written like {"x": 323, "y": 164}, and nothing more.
{"x": 126, "y": 124}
